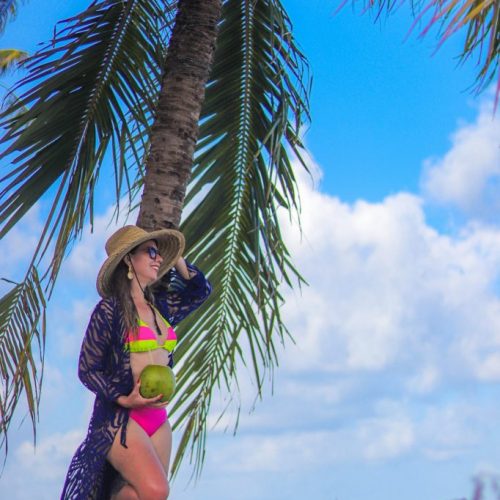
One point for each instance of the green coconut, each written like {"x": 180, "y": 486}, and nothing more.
{"x": 155, "y": 380}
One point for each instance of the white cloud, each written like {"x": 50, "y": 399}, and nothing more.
{"x": 18, "y": 246}
{"x": 468, "y": 175}
{"x": 62, "y": 387}
{"x": 446, "y": 431}
{"x": 385, "y": 438}
{"x": 39, "y": 473}
{"x": 89, "y": 252}
{"x": 21, "y": 240}
{"x": 68, "y": 320}
{"x": 386, "y": 288}
{"x": 437, "y": 432}
{"x": 424, "y": 381}
{"x": 387, "y": 435}
{"x": 49, "y": 459}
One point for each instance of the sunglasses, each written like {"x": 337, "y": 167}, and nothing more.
{"x": 153, "y": 252}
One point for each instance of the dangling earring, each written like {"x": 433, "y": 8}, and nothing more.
{"x": 130, "y": 276}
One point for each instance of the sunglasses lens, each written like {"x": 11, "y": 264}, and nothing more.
{"x": 153, "y": 252}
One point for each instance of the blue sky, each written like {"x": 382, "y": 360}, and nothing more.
{"x": 391, "y": 390}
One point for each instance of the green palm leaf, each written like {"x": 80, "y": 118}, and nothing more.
{"x": 8, "y": 9}
{"x": 255, "y": 104}
{"x": 9, "y": 58}
{"x": 22, "y": 320}
{"x": 479, "y": 18}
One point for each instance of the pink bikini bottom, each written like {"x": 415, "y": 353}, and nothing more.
{"x": 150, "y": 419}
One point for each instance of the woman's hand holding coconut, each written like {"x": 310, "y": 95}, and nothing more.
{"x": 136, "y": 400}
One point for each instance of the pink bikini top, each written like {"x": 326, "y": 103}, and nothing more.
{"x": 146, "y": 338}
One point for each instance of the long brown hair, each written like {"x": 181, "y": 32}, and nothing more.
{"x": 119, "y": 285}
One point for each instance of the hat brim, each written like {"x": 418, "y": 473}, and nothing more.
{"x": 170, "y": 245}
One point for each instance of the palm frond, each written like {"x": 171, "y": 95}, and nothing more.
{"x": 482, "y": 38}
{"x": 8, "y": 9}
{"x": 10, "y": 58}
{"x": 91, "y": 88}
{"x": 22, "y": 346}
{"x": 479, "y": 18}
{"x": 256, "y": 102}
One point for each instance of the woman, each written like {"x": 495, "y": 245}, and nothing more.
{"x": 126, "y": 452}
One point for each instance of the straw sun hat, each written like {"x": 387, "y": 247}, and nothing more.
{"x": 170, "y": 245}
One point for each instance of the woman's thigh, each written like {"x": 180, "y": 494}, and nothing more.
{"x": 162, "y": 442}
{"x": 139, "y": 463}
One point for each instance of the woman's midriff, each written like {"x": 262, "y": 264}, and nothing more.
{"x": 150, "y": 419}
{"x": 139, "y": 360}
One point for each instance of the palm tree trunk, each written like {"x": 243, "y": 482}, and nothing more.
{"x": 175, "y": 130}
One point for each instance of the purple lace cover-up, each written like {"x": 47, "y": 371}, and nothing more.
{"x": 104, "y": 368}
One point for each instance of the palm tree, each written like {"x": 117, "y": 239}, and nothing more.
{"x": 106, "y": 83}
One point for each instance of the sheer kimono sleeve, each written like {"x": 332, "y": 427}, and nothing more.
{"x": 94, "y": 368}
{"x": 177, "y": 297}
